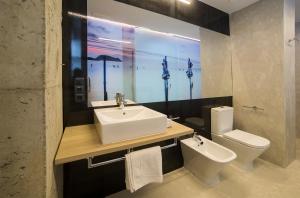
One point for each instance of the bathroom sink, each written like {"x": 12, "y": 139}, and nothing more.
{"x": 115, "y": 124}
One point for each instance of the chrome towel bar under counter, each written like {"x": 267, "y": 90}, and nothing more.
{"x": 94, "y": 165}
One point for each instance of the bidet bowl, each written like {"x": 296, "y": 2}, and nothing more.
{"x": 115, "y": 124}
{"x": 207, "y": 160}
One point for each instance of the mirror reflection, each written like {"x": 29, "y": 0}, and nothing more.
{"x": 145, "y": 65}
{"x": 149, "y": 61}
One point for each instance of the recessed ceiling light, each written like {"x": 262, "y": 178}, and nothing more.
{"x": 185, "y": 1}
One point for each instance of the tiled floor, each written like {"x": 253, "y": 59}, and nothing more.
{"x": 266, "y": 181}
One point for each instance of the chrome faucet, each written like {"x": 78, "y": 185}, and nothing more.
{"x": 120, "y": 100}
{"x": 198, "y": 139}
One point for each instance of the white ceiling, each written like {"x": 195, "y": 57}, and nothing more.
{"x": 231, "y": 6}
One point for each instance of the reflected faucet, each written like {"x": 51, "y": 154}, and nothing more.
{"x": 120, "y": 100}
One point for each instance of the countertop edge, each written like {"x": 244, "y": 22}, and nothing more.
{"x": 148, "y": 140}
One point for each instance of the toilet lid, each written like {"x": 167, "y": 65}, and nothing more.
{"x": 247, "y": 138}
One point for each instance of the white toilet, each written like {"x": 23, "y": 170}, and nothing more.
{"x": 247, "y": 146}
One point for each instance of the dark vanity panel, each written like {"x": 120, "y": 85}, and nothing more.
{"x": 197, "y": 13}
{"x": 79, "y": 181}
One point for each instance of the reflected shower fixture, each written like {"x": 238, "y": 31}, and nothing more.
{"x": 189, "y": 74}
{"x": 166, "y": 77}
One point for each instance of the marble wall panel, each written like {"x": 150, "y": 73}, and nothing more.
{"x": 261, "y": 76}
{"x": 257, "y": 44}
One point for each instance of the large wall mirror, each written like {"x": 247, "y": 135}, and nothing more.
{"x": 149, "y": 57}
{"x": 145, "y": 65}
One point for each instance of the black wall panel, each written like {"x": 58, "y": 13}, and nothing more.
{"x": 197, "y": 13}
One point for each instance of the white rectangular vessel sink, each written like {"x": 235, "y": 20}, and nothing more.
{"x": 115, "y": 124}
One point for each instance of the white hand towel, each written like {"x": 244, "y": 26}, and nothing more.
{"x": 143, "y": 167}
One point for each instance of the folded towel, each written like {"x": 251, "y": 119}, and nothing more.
{"x": 143, "y": 167}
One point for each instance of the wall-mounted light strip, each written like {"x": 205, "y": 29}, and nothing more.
{"x": 127, "y": 25}
{"x": 99, "y": 19}
{"x": 185, "y": 1}
{"x": 112, "y": 40}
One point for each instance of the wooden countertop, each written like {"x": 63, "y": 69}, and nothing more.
{"x": 81, "y": 142}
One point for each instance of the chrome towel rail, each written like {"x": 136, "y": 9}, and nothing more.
{"x": 255, "y": 108}
{"x": 94, "y": 165}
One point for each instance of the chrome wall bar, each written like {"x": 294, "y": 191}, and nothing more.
{"x": 295, "y": 39}
{"x": 94, "y": 165}
{"x": 255, "y": 108}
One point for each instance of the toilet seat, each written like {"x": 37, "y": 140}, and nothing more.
{"x": 247, "y": 139}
